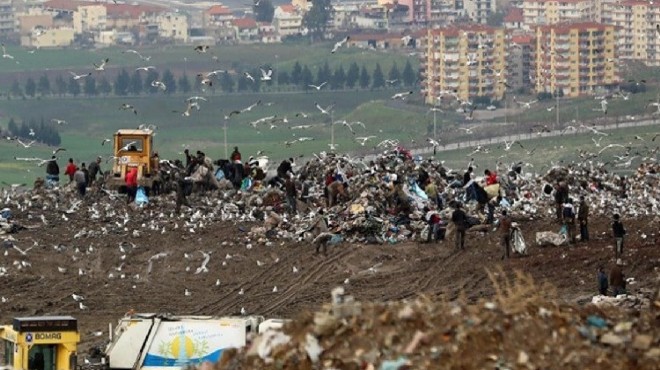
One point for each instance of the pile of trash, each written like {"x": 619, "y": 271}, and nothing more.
{"x": 384, "y": 200}
{"x": 522, "y": 327}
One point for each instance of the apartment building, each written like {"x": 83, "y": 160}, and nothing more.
{"x": 575, "y": 58}
{"x": 287, "y": 20}
{"x": 479, "y": 10}
{"x": 545, "y": 12}
{"x": 89, "y": 18}
{"x": 470, "y": 60}
{"x": 7, "y": 21}
{"x": 173, "y": 26}
{"x": 637, "y": 37}
{"x": 520, "y": 59}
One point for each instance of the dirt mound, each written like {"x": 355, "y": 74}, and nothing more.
{"x": 523, "y": 326}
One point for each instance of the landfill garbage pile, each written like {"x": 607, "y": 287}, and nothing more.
{"x": 384, "y": 200}
{"x": 522, "y": 327}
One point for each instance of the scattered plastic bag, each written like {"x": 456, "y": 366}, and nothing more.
{"x": 549, "y": 238}
{"x": 519, "y": 245}
{"x": 141, "y": 197}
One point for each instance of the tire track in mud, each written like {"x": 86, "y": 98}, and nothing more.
{"x": 312, "y": 276}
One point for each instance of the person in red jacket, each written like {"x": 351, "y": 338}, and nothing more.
{"x": 70, "y": 169}
{"x": 131, "y": 184}
{"x": 491, "y": 177}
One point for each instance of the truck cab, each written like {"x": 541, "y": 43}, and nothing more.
{"x": 133, "y": 148}
{"x": 39, "y": 343}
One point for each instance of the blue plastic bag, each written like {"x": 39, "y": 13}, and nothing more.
{"x": 219, "y": 174}
{"x": 563, "y": 230}
{"x": 141, "y": 196}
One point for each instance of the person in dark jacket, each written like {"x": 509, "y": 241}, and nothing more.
{"x": 617, "y": 279}
{"x": 180, "y": 194}
{"x": 504, "y": 228}
{"x": 53, "y": 170}
{"x": 602, "y": 281}
{"x": 583, "y": 218}
{"x": 459, "y": 218}
{"x": 291, "y": 194}
{"x": 561, "y": 197}
{"x": 81, "y": 181}
{"x": 94, "y": 169}
{"x": 284, "y": 168}
{"x": 619, "y": 232}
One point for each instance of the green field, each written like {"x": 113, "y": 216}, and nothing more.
{"x": 232, "y": 57}
{"x": 559, "y": 150}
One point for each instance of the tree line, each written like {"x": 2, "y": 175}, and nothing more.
{"x": 300, "y": 77}
{"x": 31, "y": 129}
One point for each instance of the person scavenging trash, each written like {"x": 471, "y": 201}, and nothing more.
{"x": 504, "y": 228}
{"x": 459, "y": 218}
{"x": 619, "y": 232}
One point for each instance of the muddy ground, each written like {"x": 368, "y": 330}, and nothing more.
{"x": 397, "y": 271}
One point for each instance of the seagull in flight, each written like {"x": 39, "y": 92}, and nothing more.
{"x": 60, "y": 149}
{"x": 41, "y": 161}
{"x": 78, "y": 77}
{"x": 610, "y": 146}
{"x": 249, "y": 107}
{"x": 527, "y": 104}
{"x": 126, "y": 106}
{"x": 105, "y": 141}
{"x": 467, "y": 130}
{"x": 145, "y": 68}
{"x": 189, "y": 107}
{"x": 597, "y": 142}
{"x": 127, "y": 146}
{"x": 204, "y": 80}
{"x": 391, "y": 82}
{"x": 26, "y": 145}
{"x": 159, "y": 85}
{"x": 248, "y": 76}
{"x": 363, "y": 139}
{"x": 603, "y": 107}
{"x": 318, "y": 87}
{"x": 326, "y": 110}
{"x": 349, "y": 125}
{"x": 266, "y": 75}
{"x": 202, "y": 48}
{"x": 594, "y": 130}
{"x": 402, "y": 95}
{"x": 339, "y": 44}
{"x": 6, "y": 55}
{"x": 101, "y": 66}
{"x": 59, "y": 121}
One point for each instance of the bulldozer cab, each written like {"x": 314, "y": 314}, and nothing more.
{"x": 39, "y": 343}
{"x": 133, "y": 149}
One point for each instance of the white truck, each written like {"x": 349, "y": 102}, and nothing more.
{"x": 162, "y": 342}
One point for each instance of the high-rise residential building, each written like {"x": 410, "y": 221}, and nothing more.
{"x": 546, "y": 12}
{"x": 479, "y": 10}
{"x": 469, "y": 61}
{"x": 575, "y": 58}
{"x": 520, "y": 54}
{"x": 637, "y": 37}
{"x": 7, "y": 21}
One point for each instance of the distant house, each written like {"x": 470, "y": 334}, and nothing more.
{"x": 382, "y": 41}
{"x": 246, "y": 29}
{"x": 268, "y": 34}
{"x": 514, "y": 20}
{"x": 287, "y": 20}
{"x": 217, "y": 22}
{"x": 173, "y": 26}
{"x": 49, "y": 38}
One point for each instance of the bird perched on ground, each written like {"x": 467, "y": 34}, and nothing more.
{"x": 339, "y": 44}
{"x": 129, "y": 107}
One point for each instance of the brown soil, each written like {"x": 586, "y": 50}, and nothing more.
{"x": 399, "y": 271}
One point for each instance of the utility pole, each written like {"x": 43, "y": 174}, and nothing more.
{"x": 435, "y": 110}
{"x": 225, "y": 129}
{"x": 332, "y": 131}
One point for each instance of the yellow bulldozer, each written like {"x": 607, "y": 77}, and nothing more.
{"x": 40, "y": 342}
{"x": 133, "y": 148}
